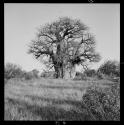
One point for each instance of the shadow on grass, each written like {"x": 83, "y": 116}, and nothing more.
{"x": 62, "y": 87}
{"x": 52, "y": 113}
{"x": 55, "y": 101}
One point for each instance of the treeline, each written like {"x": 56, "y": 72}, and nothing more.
{"x": 109, "y": 69}
{"x": 15, "y": 71}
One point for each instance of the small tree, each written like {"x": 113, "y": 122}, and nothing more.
{"x": 12, "y": 71}
{"x": 110, "y": 68}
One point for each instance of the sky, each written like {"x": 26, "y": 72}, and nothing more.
{"x": 22, "y": 20}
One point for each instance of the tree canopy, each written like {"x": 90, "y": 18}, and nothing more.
{"x": 63, "y": 44}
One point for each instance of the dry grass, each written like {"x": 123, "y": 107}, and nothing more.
{"x": 46, "y": 99}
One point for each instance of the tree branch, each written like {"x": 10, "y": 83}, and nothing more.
{"x": 42, "y": 34}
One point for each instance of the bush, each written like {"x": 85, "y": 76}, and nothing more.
{"x": 31, "y": 75}
{"x": 101, "y": 75}
{"x": 12, "y": 71}
{"x": 28, "y": 75}
{"x": 110, "y": 68}
{"x": 35, "y": 73}
{"x": 48, "y": 74}
{"x": 80, "y": 76}
{"x": 90, "y": 72}
{"x": 15, "y": 71}
{"x": 102, "y": 103}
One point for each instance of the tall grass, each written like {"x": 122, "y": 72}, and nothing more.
{"x": 45, "y": 100}
{"x": 53, "y": 99}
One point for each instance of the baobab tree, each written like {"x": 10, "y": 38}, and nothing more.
{"x": 63, "y": 44}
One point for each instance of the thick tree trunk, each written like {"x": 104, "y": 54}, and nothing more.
{"x": 63, "y": 69}
{"x": 69, "y": 73}
{"x": 64, "y": 72}
{"x": 58, "y": 72}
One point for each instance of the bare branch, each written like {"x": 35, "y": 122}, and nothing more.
{"x": 64, "y": 41}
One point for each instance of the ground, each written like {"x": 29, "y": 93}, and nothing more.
{"x": 46, "y": 99}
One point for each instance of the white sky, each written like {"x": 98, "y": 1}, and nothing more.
{"x": 21, "y": 22}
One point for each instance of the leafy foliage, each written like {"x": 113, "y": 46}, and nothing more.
{"x": 90, "y": 72}
{"x": 110, "y": 68}
{"x": 49, "y": 74}
{"x": 12, "y": 71}
{"x": 35, "y": 73}
{"x": 31, "y": 75}
{"x": 15, "y": 71}
{"x": 102, "y": 103}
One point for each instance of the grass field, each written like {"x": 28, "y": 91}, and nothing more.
{"x": 46, "y": 99}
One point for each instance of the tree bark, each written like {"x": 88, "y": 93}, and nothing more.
{"x": 66, "y": 73}
{"x": 63, "y": 68}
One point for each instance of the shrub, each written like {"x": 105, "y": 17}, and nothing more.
{"x": 100, "y": 75}
{"x": 110, "y": 68}
{"x": 90, "y": 72}
{"x": 28, "y": 75}
{"x": 12, "y": 71}
{"x": 31, "y": 74}
{"x": 102, "y": 103}
{"x": 48, "y": 74}
{"x": 15, "y": 71}
{"x": 35, "y": 73}
{"x": 80, "y": 76}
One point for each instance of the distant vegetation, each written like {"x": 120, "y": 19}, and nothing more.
{"x": 91, "y": 95}
{"x": 46, "y": 74}
{"x": 90, "y": 72}
{"x": 12, "y": 71}
{"x": 109, "y": 69}
{"x": 15, "y": 71}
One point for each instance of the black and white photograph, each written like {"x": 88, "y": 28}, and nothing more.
{"x": 61, "y": 62}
